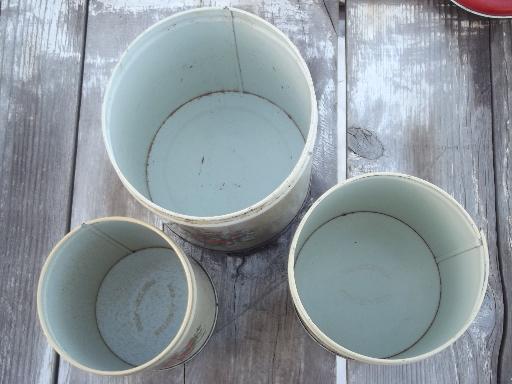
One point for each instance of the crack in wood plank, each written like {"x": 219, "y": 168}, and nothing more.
{"x": 500, "y": 38}
{"x": 415, "y": 79}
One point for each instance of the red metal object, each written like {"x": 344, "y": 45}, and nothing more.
{"x": 491, "y": 8}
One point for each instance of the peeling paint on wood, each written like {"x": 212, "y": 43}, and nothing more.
{"x": 418, "y": 80}
{"x": 410, "y": 65}
{"x": 40, "y": 52}
{"x": 501, "y": 61}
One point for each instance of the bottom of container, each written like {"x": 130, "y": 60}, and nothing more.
{"x": 221, "y": 153}
{"x": 369, "y": 282}
{"x": 141, "y": 304}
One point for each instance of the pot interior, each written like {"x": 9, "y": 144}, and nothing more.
{"x": 389, "y": 267}
{"x": 208, "y": 112}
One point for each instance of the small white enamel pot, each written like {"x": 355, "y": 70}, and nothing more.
{"x": 116, "y": 296}
{"x": 387, "y": 268}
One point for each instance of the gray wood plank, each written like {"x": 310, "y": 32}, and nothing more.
{"x": 258, "y": 338}
{"x": 98, "y": 192}
{"x": 40, "y": 61}
{"x": 341, "y": 90}
{"x": 419, "y": 102}
{"x": 501, "y": 60}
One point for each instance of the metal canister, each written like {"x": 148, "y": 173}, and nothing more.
{"x": 117, "y": 296}
{"x": 387, "y": 268}
{"x": 209, "y": 120}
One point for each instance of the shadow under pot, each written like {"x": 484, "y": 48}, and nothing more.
{"x": 209, "y": 120}
{"x": 116, "y": 296}
{"x": 387, "y": 269}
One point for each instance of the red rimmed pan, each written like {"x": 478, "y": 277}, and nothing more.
{"x": 489, "y": 8}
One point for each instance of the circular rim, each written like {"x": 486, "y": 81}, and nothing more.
{"x": 336, "y": 348}
{"x": 480, "y": 13}
{"x": 189, "y": 273}
{"x": 268, "y": 201}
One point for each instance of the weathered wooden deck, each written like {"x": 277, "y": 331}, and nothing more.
{"x": 424, "y": 89}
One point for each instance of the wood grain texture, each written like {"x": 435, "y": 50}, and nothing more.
{"x": 341, "y": 91}
{"x": 333, "y": 11}
{"x": 501, "y": 60}
{"x": 97, "y": 189}
{"x": 419, "y": 102}
{"x": 40, "y": 55}
{"x": 258, "y": 337}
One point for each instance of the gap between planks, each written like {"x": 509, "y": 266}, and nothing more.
{"x": 341, "y": 363}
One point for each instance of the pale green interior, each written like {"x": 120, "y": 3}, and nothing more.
{"x": 216, "y": 168}
{"x": 371, "y": 267}
{"x": 72, "y": 281}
